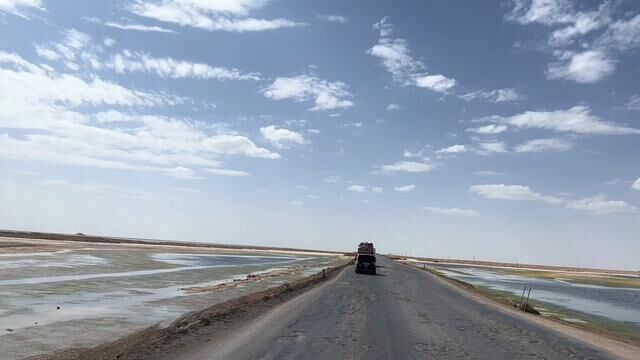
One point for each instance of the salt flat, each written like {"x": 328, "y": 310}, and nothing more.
{"x": 61, "y": 294}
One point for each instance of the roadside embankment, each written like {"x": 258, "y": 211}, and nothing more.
{"x": 155, "y": 339}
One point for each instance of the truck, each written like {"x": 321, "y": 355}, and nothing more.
{"x": 366, "y": 248}
{"x": 365, "y": 264}
{"x": 366, "y": 259}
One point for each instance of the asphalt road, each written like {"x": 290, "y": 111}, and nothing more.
{"x": 402, "y": 313}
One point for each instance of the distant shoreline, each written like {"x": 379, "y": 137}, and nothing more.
{"x": 495, "y": 264}
{"x": 36, "y": 235}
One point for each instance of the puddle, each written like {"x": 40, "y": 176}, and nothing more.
{"x": 617, "y": 304}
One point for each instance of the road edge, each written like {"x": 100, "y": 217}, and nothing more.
{"x": 616, "y": 348}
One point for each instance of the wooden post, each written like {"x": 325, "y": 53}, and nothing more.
{"x": 522, "y": 297}
{"x": 528, "y": 294}
{"x": 324, "y": 275}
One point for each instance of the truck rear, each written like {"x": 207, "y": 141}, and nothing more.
{"x": 366, "y": 264}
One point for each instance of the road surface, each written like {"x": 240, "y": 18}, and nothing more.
{"x": 402, "y": 313}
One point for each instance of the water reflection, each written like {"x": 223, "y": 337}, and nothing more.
{"x": 618, "y": 304}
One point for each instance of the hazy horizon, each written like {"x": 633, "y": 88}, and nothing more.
{"x": 505, "y": 131}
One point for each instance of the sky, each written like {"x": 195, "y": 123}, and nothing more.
{"x": 505, "y": 130}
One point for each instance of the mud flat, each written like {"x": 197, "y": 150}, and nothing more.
{"x": 56, "y": 294}
{"x": 192, "y": 328}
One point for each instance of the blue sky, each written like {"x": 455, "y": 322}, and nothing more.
{"x": 505, "y": 131}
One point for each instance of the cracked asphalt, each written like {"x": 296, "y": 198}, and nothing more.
{"x": 403, "y": 313}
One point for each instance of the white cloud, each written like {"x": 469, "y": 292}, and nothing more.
{"x": 181, "y": 172}
{"x": 598, "y": 57}
{"x": 439, "y": 83}
{"x": 488, "y": 173}
{"x": 314, "y": 131}
{"x": 561, "y": 12}
{"x": 544, "y": 145}
{"x": 636, "y": 185}
{"x": 334, "y": 18}
{"x": 394, "y": 54}
{"x": 333, "y": 179}
{"x": 393, "y": 107}
{"x": 577, "y": 119}
{"x": 282, "y": 138}
{"x": 36, "y": 84}
{"x": 358, "y": 188}
{"x": 411, "y": 154}
{"x": 513, "y": 192}
{"x": 490, "y": 129}
{"x": 296, "y": 122}
{"x": 486, "y": 148}
{"x": 622, "y": 35}
{"x": 451, "y": 211}
{"x": 587, "y": 67}
{"x": 230, "y": 15}
{"x": 128, "y": 62}
{"x": 582, "y": 24}
{"x": 134, "y": 27}
{"x": 227, "y": 172}
{"x": 52, "y": 117}
{"x": 237, "y": 145}
{"x": 395, "y": 57}
{"x": 407, "y": 188}
{"x": 540, "y": 11}
{"x": 89, "y": 187}
{"x": 453, "y": 149}
{"x": 47, "y": 53}
{"x": 352, "y": 125}
{"x": 365, "y": 189}
{"x": 326, "y": 95}
{"x": 494, "y": 96}
{"x": 74, "y": 48}
{"x": 599, "y": 205}
{"x": 634, "y": 102}
{"x": 406, "y": 166}
{"x": 296, "y": 203}
{"x": 14, "y": 6}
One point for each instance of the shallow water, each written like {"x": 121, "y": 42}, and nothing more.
{"x": 108, "y": 293}
{"x": 615, "y": 304}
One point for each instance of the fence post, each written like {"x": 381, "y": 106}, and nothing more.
{"x": 324, "y": 275}
{"x": 522, "y": 297}
{"x": 528, "y": 294}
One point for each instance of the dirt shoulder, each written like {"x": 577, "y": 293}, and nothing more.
{"x": 196, "y": 327}
{"x": 621, "y": 348}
